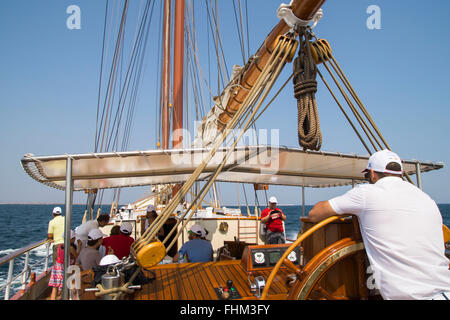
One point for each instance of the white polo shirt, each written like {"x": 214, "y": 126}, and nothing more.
{"x": 82, "y": 231}
{"x": 402, "y": 232}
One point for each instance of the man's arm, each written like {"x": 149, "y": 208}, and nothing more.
{"x": 265, "y": 219}
{"x": 321, "y": 211}
{"x": 50, "y": 231}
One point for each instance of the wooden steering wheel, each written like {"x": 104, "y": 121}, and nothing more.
{"x": 308, "y": 280}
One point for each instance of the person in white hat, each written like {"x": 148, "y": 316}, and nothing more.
{"x": 197, "y": 249}
{"x": 273, "y": 219}
{"x": 120, "y": 244}
{"x": 149, "y": 218}
{"x": 55, "y": 230}
{"x": 83, "y": 230}
{"x": 90, "y": 256}
{"x": 401, "y": 227}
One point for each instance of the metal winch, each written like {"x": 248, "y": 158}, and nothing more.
{"x": 113, "y": 278}
{"x": 113, "y": 282}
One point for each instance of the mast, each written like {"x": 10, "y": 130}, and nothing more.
{"x": 177, "y": 139}
{"x": 166, "y": 74}
{"x": 178, "y": 72}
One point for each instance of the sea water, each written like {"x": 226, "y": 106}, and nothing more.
{"x": 24, "y": 224}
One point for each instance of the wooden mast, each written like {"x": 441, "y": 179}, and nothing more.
{"x": 166, "y": 74}
{"x": 303, "y": 9}
{"x": 178, "y": 70}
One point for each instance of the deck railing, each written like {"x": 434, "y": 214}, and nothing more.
{"x": 27, "y": 269}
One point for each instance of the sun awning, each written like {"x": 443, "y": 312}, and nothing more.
{"x": 251, "y": 164}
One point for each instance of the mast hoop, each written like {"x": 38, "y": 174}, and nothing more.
{"x": 285, "y": 13}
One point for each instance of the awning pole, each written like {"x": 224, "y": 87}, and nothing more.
{"x": 303, "y": 201}
{"x": 69, "y": 201}
{"x": 419, "y": 176}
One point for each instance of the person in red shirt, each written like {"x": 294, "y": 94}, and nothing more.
{"x": 273, "y": 217}
{"x": 120, "y": 244}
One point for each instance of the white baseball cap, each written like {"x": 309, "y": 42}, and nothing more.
{"x": 95, "y": 234}
{"x": 109, "y": 259}
{"x": 273, "y": 200}
{"x": 198, "y": 230}
{"x": 126, "y": 227}
{"x": 379, "y": 160}
{"x": 151, "y": 208}
{"x": 57, "y": 210}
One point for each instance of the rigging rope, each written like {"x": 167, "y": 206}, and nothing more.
{"x": 322, "y": 53}
{"x": 261, "y": 89}
{"x": 305, "y": 87}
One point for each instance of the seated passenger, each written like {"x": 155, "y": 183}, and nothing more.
{"x": 90, "y": 256}
{"x": 121, "y": 243}
{"x": 83, "y": 230}
{"x": 196, "y": 249}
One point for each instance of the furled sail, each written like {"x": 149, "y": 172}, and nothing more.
{"x": 244, "y": 78}
{"x": 207, "y": 131}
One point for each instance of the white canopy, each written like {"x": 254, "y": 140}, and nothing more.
{"x": 252, "y": 164}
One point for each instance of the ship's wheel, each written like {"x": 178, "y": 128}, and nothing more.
{"x": 338, "y": 271}
{"x": 335, "y": 273}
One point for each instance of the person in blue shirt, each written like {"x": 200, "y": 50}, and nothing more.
{"x": 197, "y": 249}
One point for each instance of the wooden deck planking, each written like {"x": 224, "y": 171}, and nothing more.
{"x": 172, "y": 284}
{"x": 196, "y": 281}
{"x": 233, "y": 274}
{"x": 208, "y": 290}
{"x": 196, "y": 287}
{"x": 182, "y": 290}
{"x": 242, "y": 280}
{"x": 167, "y": 293}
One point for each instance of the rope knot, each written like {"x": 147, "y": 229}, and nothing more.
{"x": 305, "y": 87}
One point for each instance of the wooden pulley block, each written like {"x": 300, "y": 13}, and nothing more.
{"x": 320, "y": 50}
{"x": 292, "y": 51}
{"x": 151, "y": 254}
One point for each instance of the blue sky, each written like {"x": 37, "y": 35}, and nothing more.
{"x": 50, "y": 76}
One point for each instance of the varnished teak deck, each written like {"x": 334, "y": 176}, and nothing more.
{"x": 196, "y": 281}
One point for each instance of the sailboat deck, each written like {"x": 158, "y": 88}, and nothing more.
{"x": 196, "y": 281}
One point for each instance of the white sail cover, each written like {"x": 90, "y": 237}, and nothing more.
{"x": 207, "y": 131}
{"x": 251, "y": 164}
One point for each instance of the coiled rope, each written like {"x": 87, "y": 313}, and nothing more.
{"x": 305, "y": 88}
